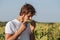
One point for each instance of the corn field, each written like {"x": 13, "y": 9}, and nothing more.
{"x": 43, "y": 31}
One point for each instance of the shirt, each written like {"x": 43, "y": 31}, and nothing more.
{"x": 14, "y": 25}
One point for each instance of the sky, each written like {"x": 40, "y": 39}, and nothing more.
{"x": 46, "y": 10}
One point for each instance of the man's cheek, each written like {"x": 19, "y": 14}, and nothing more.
{"x": 26, "y": 17}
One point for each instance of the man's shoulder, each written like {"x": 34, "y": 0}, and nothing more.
{"x": 10, "y": 22}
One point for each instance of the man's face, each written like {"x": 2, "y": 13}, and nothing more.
{"x": 27, "y": 16}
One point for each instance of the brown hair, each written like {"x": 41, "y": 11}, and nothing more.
{"x": 27, "y": 8}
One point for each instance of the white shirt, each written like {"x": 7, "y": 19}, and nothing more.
{"x": 13, "y": 26}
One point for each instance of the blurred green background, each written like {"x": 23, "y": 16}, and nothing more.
{"x": 43, "y": 31}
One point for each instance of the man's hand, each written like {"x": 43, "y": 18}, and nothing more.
{"x": 32, "y": 25}
{"x": 25, "y": 19}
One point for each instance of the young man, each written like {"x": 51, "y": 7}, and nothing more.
{"x": 20, "y": 28}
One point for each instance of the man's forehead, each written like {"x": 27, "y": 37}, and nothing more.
{"x": 27, "y": 12}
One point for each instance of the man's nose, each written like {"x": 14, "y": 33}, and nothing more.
{"x": 30, "y": 18}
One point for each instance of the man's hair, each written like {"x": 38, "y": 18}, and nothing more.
{"x": 27, "y": 8}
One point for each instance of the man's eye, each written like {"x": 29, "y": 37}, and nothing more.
{"x": 29, "y": 16}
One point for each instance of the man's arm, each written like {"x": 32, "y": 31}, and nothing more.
{"x": 32, "y": 26}
{"x": 32, "y": 37}
{"x": 17, "y": 33}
